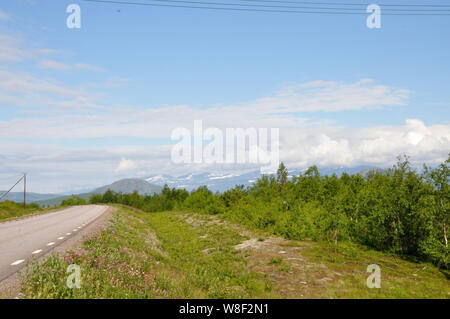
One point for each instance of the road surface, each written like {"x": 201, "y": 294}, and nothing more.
{"x": 22, "y": 239}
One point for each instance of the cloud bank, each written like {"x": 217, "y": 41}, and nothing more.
{"x": 70, "y": 137}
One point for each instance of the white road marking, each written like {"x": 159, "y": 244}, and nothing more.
{"x": 17, "y": 262}
{"x": 68, "y": 234}
{"x": 59, "y": 238}
{"x": 36, "y": 251}
{"x": 75, "y": 230}
{"x": 50, "y": 244}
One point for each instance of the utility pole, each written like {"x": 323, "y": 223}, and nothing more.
{"x": 24, "y": 190}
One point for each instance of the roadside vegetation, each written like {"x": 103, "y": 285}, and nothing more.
{"x": 74, "y": 200}
{"x": 194, "y": 255}
{"x": 12, "y": 210}
{"x": 150, "y": 256}
{"x": 399, "y": 211}
{"x": 308, "y": 236}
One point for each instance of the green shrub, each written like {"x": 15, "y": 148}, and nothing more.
{"x": 398, "y": 210}
{"x": 74, "y": 201}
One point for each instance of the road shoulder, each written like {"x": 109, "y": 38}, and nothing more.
{"x": 10, "y": 287}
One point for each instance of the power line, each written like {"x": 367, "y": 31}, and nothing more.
{"x": 6, "y": 193}
{"x": 254, "y": 9}
{"x": 351, "y": 4}
{"x": 289, "y": 6}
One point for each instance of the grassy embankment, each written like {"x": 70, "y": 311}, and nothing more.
{"x": 12, "y": 210}
{"x": 187, "y": 255}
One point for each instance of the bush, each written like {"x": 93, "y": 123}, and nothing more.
{"x": 74, "y": 201}
{"x": 397, "y": 209}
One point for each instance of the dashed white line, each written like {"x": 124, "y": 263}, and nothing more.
{"x": 36, "y": 251}
{"x": 59, "y": 238}
{"x": 50, "y": 244}
{"x": 68, "y": 234}
{"x": 17, "y": 262}
{"x": 75, "y": 230}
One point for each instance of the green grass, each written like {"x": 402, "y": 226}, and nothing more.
{"x": 399, "y": 278}
{"x": 187, "y": 255}
{"x": 164, "y": 258}
{"x": 276, "y": 261}
{"x": 12, "y": 210}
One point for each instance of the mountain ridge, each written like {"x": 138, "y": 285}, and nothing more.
{"x": 129, "y": 185}
{"x": 224, "y": 181}
{"x": 31, "y": 196}
{"x": 126, "y": 185}
{"x": 154, "y": 183}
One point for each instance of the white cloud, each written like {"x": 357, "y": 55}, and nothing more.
{"x": 45, "y": 51}
{"x": 60, "y": 66}
{"x": 126, "y": 165}
{"x": 378, "y": 145}
{"x": 54, "y": 168}
{"x": 53, "y": 65}
{"x": 88, "y": 67}
{"x": 10, "y": 50}
{"x": 331, "y": 97}
{"x": 44, "y": 96}
{"x": 25, "y": 84}
{"x": 285, "y": 109}
{"x": 4, "y": 16}
{"x": 115, "y": 82}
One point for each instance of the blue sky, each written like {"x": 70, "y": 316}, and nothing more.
{"x": 78, "y": 102}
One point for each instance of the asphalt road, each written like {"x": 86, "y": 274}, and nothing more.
{"x": 22, "y": 239}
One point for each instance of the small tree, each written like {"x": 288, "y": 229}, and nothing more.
{"x": 109, "y": 197}
{"x": 73, "y": 201}
{"x": 439, "y": 179}
{"x": 95, "y": 199}
{"x": 282, "y": 175}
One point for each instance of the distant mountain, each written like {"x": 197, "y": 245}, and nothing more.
{"x": 373, "y": 170}
{"x": 31, "y": 197}
{"x": 129, "y": 185}
{"x": 125, "y": 186}
{"x": 214, "y": 181}
{"x": 349, "y": 170}
{"x": 222, "y": 182}
{"x": 55, "y": 201}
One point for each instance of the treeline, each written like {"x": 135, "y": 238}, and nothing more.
{"x": 398, "y": 210}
